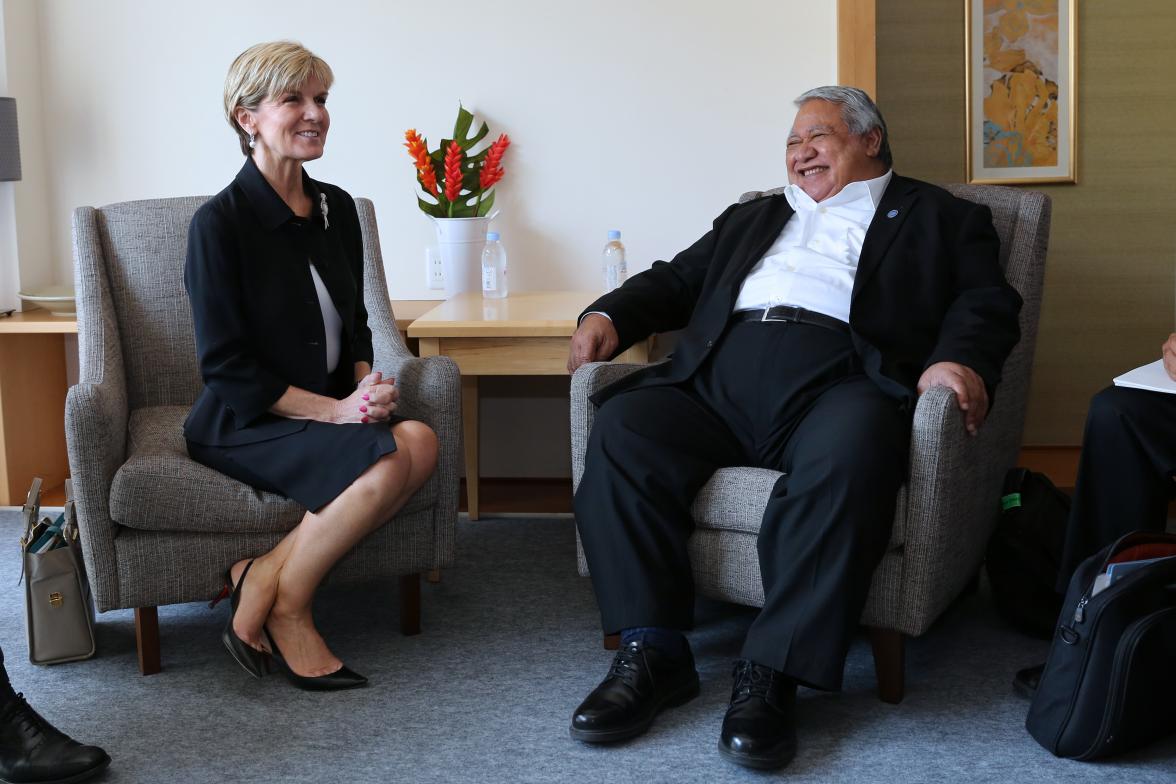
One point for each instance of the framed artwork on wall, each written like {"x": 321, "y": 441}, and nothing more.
{"x": 1021, "y": 92}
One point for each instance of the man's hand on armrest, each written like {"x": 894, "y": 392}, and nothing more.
{"x": 969, "y": 390}
{"x": 595, "y": 339}
{"x": 1169, "y": 353}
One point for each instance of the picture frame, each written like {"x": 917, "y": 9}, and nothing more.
{"x": 1021, "y": 91}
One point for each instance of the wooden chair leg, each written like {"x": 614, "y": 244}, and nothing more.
{"x": 612, "y": 642}
{"x": 410, "y": 604}
{"x": 889, "y": 654}
{"x": 147, "y": 639}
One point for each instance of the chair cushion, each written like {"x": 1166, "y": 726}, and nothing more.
{"x": 160, "y": 488}
{"x": 734, "y": 500}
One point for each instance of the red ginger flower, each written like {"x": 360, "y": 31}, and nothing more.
{"x": 491, "y": 169}
{"x": 453, "y": 172}
{"x": 420, "y": 155}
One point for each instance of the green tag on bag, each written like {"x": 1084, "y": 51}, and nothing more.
{"x": 1010, "y": 501}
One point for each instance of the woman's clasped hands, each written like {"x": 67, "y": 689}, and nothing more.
{"x": 374, "y": 400}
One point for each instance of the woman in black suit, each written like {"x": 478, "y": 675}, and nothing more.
{"x": 290, "y": 404}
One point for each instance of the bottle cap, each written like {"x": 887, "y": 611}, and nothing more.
{"x": 491, "y": 236}
{"x": 614, "y": 234}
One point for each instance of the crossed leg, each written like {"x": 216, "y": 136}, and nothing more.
{"x": 281, "y": 585}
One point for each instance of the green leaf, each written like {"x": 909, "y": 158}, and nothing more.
{"x": 461, "y": 129}
{"x": 486, "y": 205}
{"x": 430, "y": 209}
{"x": 465, "y": 119}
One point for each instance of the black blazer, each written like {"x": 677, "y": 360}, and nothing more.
{"x": 929, "y": 288}
{"x": 259, "y": 329}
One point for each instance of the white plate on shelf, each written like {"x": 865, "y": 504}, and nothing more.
{"x": 58, "y": 300}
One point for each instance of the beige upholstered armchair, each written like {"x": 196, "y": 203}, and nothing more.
{"x": 949, "y": 504}
{"x": 158, "y": 528}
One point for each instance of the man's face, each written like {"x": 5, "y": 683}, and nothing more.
{"x": 824, "y": 157}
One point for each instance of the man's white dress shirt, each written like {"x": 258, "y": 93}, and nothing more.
{"x": 813, "y": 262}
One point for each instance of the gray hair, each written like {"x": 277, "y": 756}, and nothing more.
{"x": 859, "y": 113}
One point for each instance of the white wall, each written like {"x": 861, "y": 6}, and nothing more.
{"x": 40, "y": 263}
{"x": 646, "y": 116}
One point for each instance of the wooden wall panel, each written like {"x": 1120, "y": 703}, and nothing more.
{"x": 1110, "y": 291}
{"x": 856, "y": 50}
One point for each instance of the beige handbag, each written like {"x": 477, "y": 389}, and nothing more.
{"x": 59, "y": 612}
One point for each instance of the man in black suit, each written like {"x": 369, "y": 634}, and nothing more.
{"x": 810, "y": 322}
{"x": 1125, "y": 478}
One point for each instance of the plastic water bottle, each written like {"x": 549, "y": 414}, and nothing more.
{"x": 493, "y": 268}
{"x": 613, "y": 262}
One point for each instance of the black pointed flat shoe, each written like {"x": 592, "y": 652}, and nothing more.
{"x": 342, "y": 678}
{"x": 251, "y": 660}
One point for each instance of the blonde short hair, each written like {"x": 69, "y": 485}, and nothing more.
{"x": 265, "y": 70}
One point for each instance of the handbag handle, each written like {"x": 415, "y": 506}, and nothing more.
{"x": 32, "y": 509}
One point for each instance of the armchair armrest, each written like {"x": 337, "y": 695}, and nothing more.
{"x": 430, "y": 391}
{"x": 952, "y": 501}
{"x": 589, "y": 379}
{"x": 96, "y": 409}
{"x": 95, "y": 436}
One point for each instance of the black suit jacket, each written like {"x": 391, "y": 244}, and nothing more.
{"x": 259, "y": 329}
{"x": 928, "y": 288}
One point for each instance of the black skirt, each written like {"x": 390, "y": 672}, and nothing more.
{"x": 312, "y": 466}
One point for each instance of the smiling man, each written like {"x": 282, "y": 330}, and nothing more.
{"x": 811, "y": 321}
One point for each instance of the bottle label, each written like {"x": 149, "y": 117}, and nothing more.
{"x": 489, "y": 279}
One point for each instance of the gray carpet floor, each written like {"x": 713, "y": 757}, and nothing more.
{"x": 510, "y": 645}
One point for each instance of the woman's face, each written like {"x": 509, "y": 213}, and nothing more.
{"x": 292, "y": 125}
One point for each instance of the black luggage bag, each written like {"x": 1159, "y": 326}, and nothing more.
{"x": 1109, "y": 683}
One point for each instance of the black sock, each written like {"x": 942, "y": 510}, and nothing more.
{"x": 671, "y": 642}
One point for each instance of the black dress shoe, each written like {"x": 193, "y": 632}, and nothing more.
{"x": 33, "y": 751}
{"x": 251, "y": 660}
{"x": 641, "y": 681}
{"x": 342, "y": 678}
{"x": 759, "y": 730}
{"x": 1026, "y": 680}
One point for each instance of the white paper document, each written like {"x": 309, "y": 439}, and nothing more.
{"x": 1152, "y": 377}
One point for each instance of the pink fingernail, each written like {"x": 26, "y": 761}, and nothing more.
{"x": 365, "y": 397}
{"x": 364, "y": 420}
{"x": 363, "y": 409}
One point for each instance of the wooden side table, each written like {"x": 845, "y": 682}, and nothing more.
{"x": 524, "y": 334}
{"x": 32, "y": 402}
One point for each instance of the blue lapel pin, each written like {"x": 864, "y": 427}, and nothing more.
{"x": 892, "y": 214}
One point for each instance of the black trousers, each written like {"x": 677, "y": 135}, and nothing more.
{"x": 1124, "y": 474}
{"x": 786, "y": 396}
{"x": 6, "y": 692}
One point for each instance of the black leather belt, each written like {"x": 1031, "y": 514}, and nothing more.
{"x": 790, "y": 313}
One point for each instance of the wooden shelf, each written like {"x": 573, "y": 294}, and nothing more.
{"x": 38, "y": 322}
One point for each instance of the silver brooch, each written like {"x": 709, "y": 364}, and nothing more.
{"x": 323, "y": 208}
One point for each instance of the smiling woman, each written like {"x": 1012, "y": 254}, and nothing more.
{"x": 290, "y": 403}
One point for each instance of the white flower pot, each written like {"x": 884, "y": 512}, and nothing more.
{"x": 461, "y": 242}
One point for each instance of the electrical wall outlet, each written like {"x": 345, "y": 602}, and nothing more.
{"x": 434, "y": 271}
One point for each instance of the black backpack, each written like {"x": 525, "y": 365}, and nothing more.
{"x": 1025, "y": 552}
{"x": 1109, "y": 683}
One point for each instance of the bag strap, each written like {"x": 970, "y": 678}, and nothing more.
{"x": 32, "y": 509}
